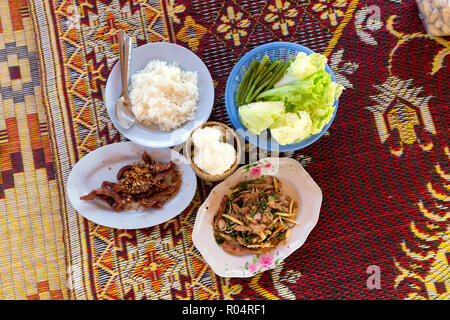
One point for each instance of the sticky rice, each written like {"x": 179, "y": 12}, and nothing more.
{"x": 165, "y": 95}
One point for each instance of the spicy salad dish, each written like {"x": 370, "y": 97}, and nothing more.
{"x": 264, "y": 209}
{"x": 255, "y": 217}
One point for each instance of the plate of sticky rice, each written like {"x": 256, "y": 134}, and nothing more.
{"x": 170, "y": 92}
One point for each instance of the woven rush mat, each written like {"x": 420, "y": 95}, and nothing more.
{"x": 383, "y": 166}
{"x": 31, "y": 243}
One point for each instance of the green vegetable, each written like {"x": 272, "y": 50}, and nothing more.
{"x": 302, "y": 67}
{"x": 258, "y": 116}
{"x": 257, "y": 78}
{"x": 291, "y": 127}
{"x": 306, "y": 86}
{"x": 245, "y": 80}
{"x": 251, "y": 81}
{"x": 268, "y": 69}
{"x": 220, "y": 239}
{"x": 280, "y": 72}
{"x": 259, "y": 74}
{"x": 262, "y": 86}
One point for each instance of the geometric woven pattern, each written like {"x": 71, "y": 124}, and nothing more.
{"x": 383, "y": 166}
{"x": 32, "y": 261}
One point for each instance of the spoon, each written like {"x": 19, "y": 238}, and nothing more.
{"x": 122, "y": 110}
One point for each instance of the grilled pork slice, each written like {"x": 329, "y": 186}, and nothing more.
{"x": 148, "y": 184}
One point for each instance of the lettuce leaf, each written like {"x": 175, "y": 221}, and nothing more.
{"x": 258, "y": 116}
{"x": 307, "y": 87}
{"x": 291, "y": 127}
{"x": 302, "y": 67}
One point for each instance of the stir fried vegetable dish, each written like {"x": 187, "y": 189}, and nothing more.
{"x": 254, "y": 217}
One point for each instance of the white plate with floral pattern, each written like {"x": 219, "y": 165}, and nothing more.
{"x": 296, "y": 182}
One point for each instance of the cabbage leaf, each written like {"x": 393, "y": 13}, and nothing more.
{"x": 306, "y": 86}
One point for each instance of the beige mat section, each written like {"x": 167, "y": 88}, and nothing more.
{"x": 32, "y": 262}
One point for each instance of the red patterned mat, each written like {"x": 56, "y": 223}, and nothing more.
{"x": 383, "y": 166}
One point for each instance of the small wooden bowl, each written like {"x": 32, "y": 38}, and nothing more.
{"x": 189, "y": 152}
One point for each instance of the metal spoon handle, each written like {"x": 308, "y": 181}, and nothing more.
{"x": 124, "y": 54}
{"x": 128, "y": 48}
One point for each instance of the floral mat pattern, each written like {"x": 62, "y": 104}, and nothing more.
{"x": 383, "y": 165}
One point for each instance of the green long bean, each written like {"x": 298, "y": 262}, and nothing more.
{"x": 256, "y": 78}
{"x": 279, "y": 74}
{"x": 245, "y": 80}
{"x": 264, "y": 83}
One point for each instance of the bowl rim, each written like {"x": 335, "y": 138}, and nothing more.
{"x": 200, "y": 173}
{"x": 232, "y": 108}
{"x": 178, "y": 135}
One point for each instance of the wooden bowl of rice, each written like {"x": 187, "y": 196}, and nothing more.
{"x": 229, "y": 137}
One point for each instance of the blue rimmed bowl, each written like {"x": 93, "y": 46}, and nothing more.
{"x": 274, "y": 50}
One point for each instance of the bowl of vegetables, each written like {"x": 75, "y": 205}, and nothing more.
{"x": 282, "y": 96}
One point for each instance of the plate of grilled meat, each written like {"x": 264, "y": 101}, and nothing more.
{"x": 126, "y": 186}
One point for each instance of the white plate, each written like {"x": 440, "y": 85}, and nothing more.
{"x": 103, "y": 164}
{"x": 296, "y": 183}
{"x": 187, "y": 60}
